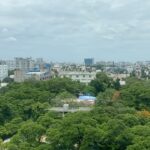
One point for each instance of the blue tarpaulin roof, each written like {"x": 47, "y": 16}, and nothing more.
{"x": 87, "y": 98}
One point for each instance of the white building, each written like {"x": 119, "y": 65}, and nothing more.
{"x": 118, "y": 76}
{"x": 3, "y": 85}
{"x": 3, "y": 72}
{"x": 122, "y": 83}
{"x": 83, "y": 77}
{"x": 11, "y": 64}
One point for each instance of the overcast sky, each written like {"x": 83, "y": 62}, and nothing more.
{"x": 70, "y": 30}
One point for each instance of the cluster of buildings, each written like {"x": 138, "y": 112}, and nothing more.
{"x": 37, "y": 69}
{"x": 24, "y": 69}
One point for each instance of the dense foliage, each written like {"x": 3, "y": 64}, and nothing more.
{"x": 120, "y": 120}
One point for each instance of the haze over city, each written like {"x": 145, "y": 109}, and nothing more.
{"x": 65, "y": 30}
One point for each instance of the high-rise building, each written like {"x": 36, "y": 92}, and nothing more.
{"x": 3, "y": 72}
{"x": 89, "y": 61}
{"x": 19, "y": 75}
{"x": 24, "y": 64}
{"x": 11, "y": 64}
{"x": 40, "y": 61}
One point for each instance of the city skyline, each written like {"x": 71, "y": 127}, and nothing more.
{"x": 69, "y": 31}
{"x": 80, "y": 62}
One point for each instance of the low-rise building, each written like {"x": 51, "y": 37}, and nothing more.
{"x": 37, "y": 75}
{"x": 3, "y": 85}
{"x": 83, "y": 77}
{"x": 21, "y": 76}
{"x": 122, "y": 83}
{"x": 118, "y": 76}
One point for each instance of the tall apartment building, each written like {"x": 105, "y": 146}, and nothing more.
{"x": 89, "y": 61}
{"x": 19, "y": 75}
{"x": 40, "y": 61}
{"x": 3, "y": 72}
{"x": 24, "y": 64}
{"x": 11, "y": 64}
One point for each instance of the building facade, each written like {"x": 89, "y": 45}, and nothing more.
{"x": 3, "y": 72}
{"x": 89, "y": 61}
{"x": 19, "y": 75}
{"x": 24, "y": 64}
{"x": 37, "y": 76}
{"x": 83, "y": 77}
{"x": 11, "y": 64}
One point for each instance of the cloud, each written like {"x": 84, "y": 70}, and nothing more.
{"x": 108, "y": 37}
{"x": 11, "y": 39}
{"x": 5, "y": 30}
{"x": 77, "y": 23}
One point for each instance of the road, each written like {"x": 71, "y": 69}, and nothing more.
{"x": 71, "y": 110}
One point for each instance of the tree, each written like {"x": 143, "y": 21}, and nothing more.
{"x": 29, "y": 135}
{"x": 89, "y": 90}
{"x": 101, "y": 83}
{"x": 106, "y": 97}
{"x": 117, "y": 85}
{"x": 8, "y": 80}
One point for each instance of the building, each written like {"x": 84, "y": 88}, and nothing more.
{"x": 3, "y": 85}
{"x": 118, "y": 76}
{"x": 26, "y": 69}
{"x": 89, "y": 61}
{"x": 37, "y": 75}
{"x": 39, "y": 61}
{"x": 19, "y": 75}
{"x": 45, "y": 67}
{"x": 24, "y": 64}
{"x": 122, "y": 83}
{"x": 3, "y": 72}
{"x": 83, "y": 76}
{"x": 11, "y": 64}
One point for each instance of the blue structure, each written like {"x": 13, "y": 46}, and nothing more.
{"x": 84, "y": 98}
{"x": 89, "y": 61}
{"x": 47, "y": 66}
{"x": 37, "y": 68}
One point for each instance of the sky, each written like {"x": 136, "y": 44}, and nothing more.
{"x": 71, "y": 30}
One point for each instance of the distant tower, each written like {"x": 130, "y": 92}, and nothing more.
{"x": 89, "y": 61}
